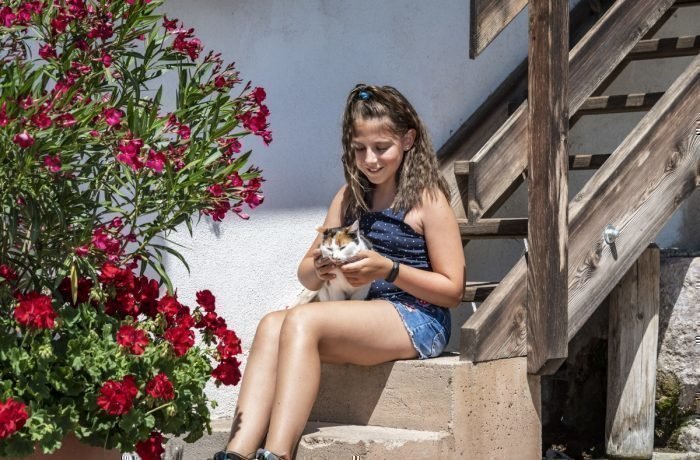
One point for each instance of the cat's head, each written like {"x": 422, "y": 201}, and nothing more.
{"x": 341, "y": 243}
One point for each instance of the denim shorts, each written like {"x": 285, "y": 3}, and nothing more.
{"x": 428, "y": 325}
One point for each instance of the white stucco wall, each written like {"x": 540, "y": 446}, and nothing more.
{"x": 308, "y": 54}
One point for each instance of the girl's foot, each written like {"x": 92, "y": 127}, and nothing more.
{"x": 231, "y": 455}
{"x": 264, "y": 454}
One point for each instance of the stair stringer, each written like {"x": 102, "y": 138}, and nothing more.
{"x": 646, "y": 179}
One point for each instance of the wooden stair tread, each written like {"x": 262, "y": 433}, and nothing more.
{"x": 665, "y": 47}
{"x": 576, "y": 162}
{"x": 619, "y": 103}
{"x": 510, "y": 227}
{"x": 477, "y": 291}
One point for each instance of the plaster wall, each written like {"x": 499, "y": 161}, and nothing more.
{"x": 308, "y": 54}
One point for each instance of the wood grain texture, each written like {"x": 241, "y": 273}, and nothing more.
{"x": 509, "y": 227}
{"x": 479, "y": 127}
{"x": 633, "y": 330}
{"x": 487, "y": 18}
{"x": 637, "y": 190}
{"x": 619, "y": 103}
{"x": 665, "y": 47}
{"x": 548, "y": 121}
{"x": 502, "y": 160}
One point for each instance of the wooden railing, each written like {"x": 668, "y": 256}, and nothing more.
{"x": 634, "y": 190}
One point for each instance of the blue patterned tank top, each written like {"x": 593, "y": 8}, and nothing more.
{"x": 395, "y": 239}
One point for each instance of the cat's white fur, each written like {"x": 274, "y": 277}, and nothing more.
{"x": 339, "y": 288}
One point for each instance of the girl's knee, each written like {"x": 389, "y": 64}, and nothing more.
{"x": 300, "y": 322}
{"x": 270, "y": 325}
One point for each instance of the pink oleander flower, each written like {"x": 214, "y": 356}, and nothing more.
{"x": 24, "y": 139}
{"x": 47, "y": 52}
{"x": 53, "y": 163}
{"x": 113, "y": 116}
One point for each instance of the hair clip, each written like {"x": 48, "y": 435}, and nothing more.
{"x": 364, "y": 95}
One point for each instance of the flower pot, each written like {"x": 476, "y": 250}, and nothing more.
{"x": 72, "y": 449}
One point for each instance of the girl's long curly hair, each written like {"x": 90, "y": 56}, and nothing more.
{"x": 418, "y": 171}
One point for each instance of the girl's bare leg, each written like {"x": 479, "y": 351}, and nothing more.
{"x": 257, "y": 388}
{"x": 357, "y": 332}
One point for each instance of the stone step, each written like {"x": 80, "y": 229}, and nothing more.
{"x": 323, "y": 441}
{"x": 410, "y": 394}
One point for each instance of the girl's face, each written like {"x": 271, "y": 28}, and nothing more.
{"x": 378, "y": 150}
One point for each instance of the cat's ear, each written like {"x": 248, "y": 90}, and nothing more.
{"x": 321, "y": 229}
{"x": 355, "y": 227}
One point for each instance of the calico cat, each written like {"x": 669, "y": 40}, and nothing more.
{"x": 341, "y": 244}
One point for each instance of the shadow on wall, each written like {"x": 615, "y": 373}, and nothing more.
{"x": 688, "y": 235}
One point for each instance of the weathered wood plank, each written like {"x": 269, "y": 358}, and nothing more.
{"x": 509, "y": 227}
{"x": 637, "y": 190}
{"x": 633, "y": 330}
{"x": 548, "y": 185}
{"x": 582, "y": 162}
{"x": 503, "y": 158}
{"x": 477, "y": 291}
{"x": 665, "y": 47}
{"x": 493, "y": 112}
{"x": 579, "y": 161}
{"x": 487, "y": 19}
{"x": 619, "y": 103}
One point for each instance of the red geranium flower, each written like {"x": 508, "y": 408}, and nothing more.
{"x": 35, "y": 311}
{"x": 169, "y": 306}
{"x": 152, "y": 448}
{"x": 84, "y": 287}
{"x": 135, "y": 340}
{"x": 229, "y": 346}
{"x": 181, "y": 338}
{"x": 117, "y": 397}
{"x": 206, "y": 300}
{"x": 228, "y": 372}
{"x": 160, "y": 387}
{"x": 258, "y": 95}
{"x": 13, "y": 415}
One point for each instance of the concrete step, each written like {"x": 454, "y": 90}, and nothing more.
{"x": 323, "y": 441}
{"x": 411, "y": 394}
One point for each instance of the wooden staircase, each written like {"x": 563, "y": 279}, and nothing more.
{"x": 636, "y": 188}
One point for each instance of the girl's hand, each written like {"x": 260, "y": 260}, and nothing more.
{"x": 323, "y": 265}
{"x": 366, "y": 267}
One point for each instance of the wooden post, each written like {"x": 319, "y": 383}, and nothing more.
{"x": 632, "y": 339}
{"x": 548, "y": 121}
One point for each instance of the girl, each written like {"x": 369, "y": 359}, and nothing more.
{"x": 416, "y": 269}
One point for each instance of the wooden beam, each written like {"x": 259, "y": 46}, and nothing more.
{"x": 583, "y": 162}
{"x": 579, "y": 161}
{"x": 548, "y": 185}
{"x": 487, "y": 19}
{"x": 504, "y": 157}
{"x": 477, "y": 291}
{"x": 646, "y": 179}
{"x": 510, "y": 227}
{"x": 659, "y": 48}
{"x": 633, "y": 331}
{"x": 466, "y": 141}
{"x": 619, "y": 103}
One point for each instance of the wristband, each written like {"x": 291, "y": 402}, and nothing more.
{"x": 391, "y": 277}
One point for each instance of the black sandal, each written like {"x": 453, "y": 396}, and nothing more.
{"x": 231, "y": 455}
{"x": 264, "y": 454}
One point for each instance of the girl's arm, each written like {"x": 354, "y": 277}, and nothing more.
{"x": 443, "y": 286}
{"x": 309, "y": 275}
